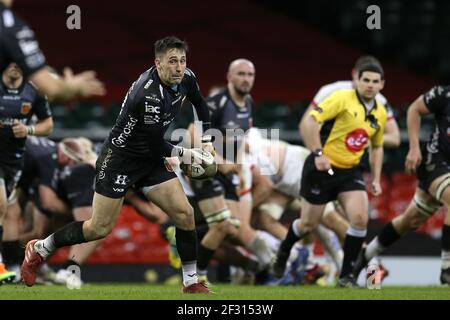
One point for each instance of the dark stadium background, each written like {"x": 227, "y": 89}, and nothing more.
{"x": 296, "y": 46}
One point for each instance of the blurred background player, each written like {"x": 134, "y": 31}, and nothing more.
{"x": 432, "y": 163}
{"x": 337, "y": 132}
{"x": 218, "y": 199}
{"x": 31, "y": 61}
{"x": 19, "y": 102}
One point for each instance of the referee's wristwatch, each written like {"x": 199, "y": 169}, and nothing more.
{"x": 317, "y": 152}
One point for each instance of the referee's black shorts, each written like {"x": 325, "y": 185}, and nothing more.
{"x": 319, "y": 187}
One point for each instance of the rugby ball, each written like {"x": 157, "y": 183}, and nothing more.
{"x": 202, "y": 166}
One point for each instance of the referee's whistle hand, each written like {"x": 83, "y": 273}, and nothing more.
{"x": 322, "y": 163}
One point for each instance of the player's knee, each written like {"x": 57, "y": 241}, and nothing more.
{"x": 184, "y": 218}
{"x": 97, "y": 231}
{"x": 360, "y": 221}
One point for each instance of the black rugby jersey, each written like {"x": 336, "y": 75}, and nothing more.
{"x": 231, "y": 120}
{"x": 147, "y": 111}
{"x": 18, "y": 44}
{"x": 18, "y": 104}
{"x": 41, "y": 162}
{"x": 76, "y": 185}
{"x": 437, "y": 101}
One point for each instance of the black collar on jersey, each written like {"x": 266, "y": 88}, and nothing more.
{"x": 362, "y": 102}
{"x": 369, "y": 116}
{"x": 227, "y": 93}
{"x": 157, "y": 78}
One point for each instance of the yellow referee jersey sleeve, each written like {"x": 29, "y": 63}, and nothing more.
{"x": 330, "y": 108}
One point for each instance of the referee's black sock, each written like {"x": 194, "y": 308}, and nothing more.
{"x": 286, "y": 245}
{"x": 353, "y": 242}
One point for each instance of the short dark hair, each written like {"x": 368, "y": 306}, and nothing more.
{"x": 372, "y": 67}
{"x": 364, "y": 60}
{"x": 162, "y": 45}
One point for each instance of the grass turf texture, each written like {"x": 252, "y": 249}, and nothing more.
{"x": 223, "y": 292}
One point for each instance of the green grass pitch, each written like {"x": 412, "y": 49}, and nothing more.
{"x": 222, "y": 292}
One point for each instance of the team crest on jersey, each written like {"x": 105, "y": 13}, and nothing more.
{"x": 26, "y": 107}
{"x": 356, "y": 140}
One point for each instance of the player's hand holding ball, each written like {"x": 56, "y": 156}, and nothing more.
{"x": 197, "y": 163}
{"x": 207, "y": 145}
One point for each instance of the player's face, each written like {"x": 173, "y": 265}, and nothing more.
{"x": 171, "y": 66}
{"x": 242, "y": 77}
{"x": 369, "y": 84}
{"x": 13, "y": 71}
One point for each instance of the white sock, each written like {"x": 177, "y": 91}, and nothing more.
{"x": 445, "y": 258}
{"x": 331, "y": 245}
{"x": 294, "y": 227}
{"x": 373, "y": 249}
{"x": 1, "y": 258}
{"x": 271, "y": 241}
{"x": 261, "y": 250}
{"x": 45, "y": 247}
{"x": 189, "y": 273}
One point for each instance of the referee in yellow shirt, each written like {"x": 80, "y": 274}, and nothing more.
{"x": 337, "y": 131}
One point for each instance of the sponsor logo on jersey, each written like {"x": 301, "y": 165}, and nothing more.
{"x": 121, "y": 179}
{"x": 101, "y": 174}
{"x": 26, "y": 108}
{"x": 356, "y": 140}
{"x": 120, "y": 141}
{"x": 152, "y": 109}
{"x": 151, "y": 119}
